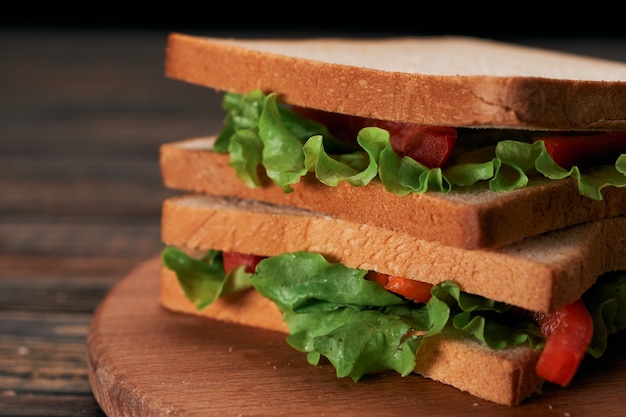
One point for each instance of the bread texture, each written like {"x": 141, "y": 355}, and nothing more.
{"x": 506, "y": 377}
{"x": 467, "y": 218}
{"x": 539, "y": 274}
{"x": 448, "y": 81}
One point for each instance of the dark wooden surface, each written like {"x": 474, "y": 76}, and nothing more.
{"x": 82, "y": 114}
{"x": 81, "y": 117}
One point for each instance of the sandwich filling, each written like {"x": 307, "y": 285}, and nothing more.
{"x": 365, "y": 323}
{"x": 288, "y": 142}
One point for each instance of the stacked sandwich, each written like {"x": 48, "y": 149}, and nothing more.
{"x": 448, "y": 206}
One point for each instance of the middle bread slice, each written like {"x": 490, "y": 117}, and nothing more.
{"x": 542, "y": 273}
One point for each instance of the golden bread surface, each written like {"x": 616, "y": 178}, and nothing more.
{"x": 448, "y": 81}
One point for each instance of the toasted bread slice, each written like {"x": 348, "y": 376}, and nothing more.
{"x": 448, "y": 81}
{"x": 539, "y": 274}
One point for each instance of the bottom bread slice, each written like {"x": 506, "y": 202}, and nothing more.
{"x": 505, "y": 377}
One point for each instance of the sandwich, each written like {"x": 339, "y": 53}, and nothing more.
{"x": 444, "y": 206}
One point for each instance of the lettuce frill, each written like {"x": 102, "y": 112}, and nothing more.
{"x": 260, "y": 132}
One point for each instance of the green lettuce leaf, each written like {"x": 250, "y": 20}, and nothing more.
{"x": 369, "y": 341}
{"x": 203, "y": 280}
{"x": 487, "y": 321}
{"x": 259, "y": 132}
{"x": 606, "y": 302}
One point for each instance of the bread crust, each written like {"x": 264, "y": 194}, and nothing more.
{"x": 307, "y": 73}
{"x": 539, "y": 274}
{"x": 505, "y": 377}
{"x": 468, "y": 218}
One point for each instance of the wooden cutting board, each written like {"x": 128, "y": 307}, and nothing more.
{"x": 144, "y": 360}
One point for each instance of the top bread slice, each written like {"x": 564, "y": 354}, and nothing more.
{"x": 446, "y": 81}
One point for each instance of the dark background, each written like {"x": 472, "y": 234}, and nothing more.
{"x": 591, "y": 28}
{"x": 497, "y": 20}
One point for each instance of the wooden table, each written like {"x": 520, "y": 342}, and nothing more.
{"x": 81, "y": 117}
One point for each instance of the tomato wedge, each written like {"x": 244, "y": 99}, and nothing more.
{"x": 568, "y": 333}
{"x": 586, "y": 150}
{"x": 417, "y": 291}
{"x": 231, "y": 260}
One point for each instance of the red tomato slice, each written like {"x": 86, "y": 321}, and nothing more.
{"x": 400, "y": 134}
{"x": 417, "y": 291}
{"x": 232, "y": 260}
{"x": 585, "y": 150}
{"x": 377, "y": 277}
{"x": 568, "y": 332}
{"x": 429, "y": 145}
{"x": 432, "y": 146}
